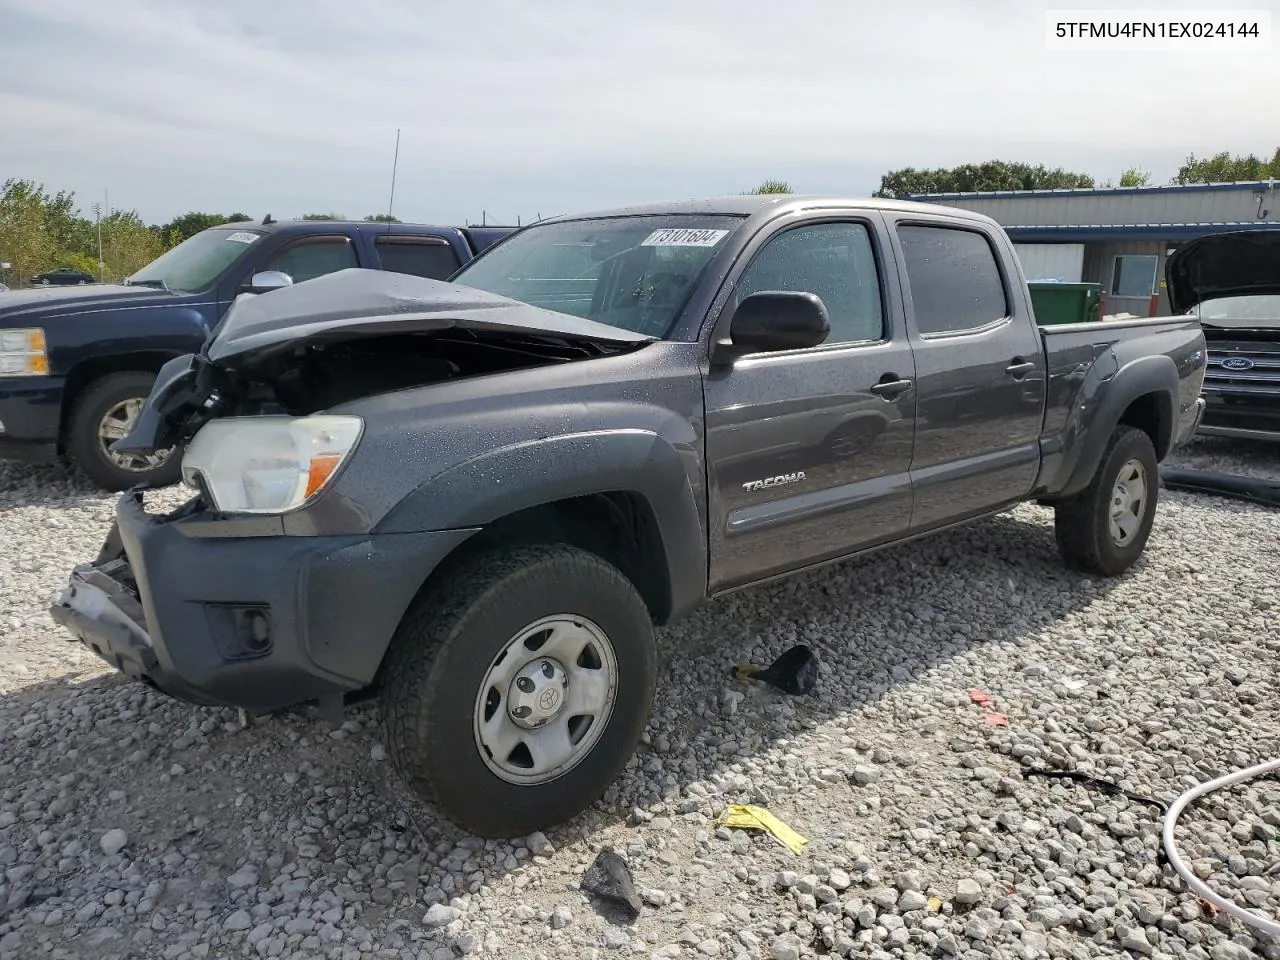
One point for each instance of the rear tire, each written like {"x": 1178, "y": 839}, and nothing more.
{"x": 450, "y": 693}
{"x": 103, "y": 400}
{"x": 1104, "y": 528}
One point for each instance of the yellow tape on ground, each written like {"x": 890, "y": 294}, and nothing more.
{"x": 744, "y": 816}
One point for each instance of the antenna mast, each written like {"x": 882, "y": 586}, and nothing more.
{"x": 394, "y": 163}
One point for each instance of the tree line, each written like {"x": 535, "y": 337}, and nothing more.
{"x": 40, "y": 230}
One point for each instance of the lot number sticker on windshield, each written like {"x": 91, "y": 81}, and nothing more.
{"x": 243, "y": 237}
{"x": 683, "y": 237}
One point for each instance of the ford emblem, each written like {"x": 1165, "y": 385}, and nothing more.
{"x": 1237, "y": 363}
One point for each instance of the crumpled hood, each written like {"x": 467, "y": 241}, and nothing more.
{"x": 1238, "y": 264}
{"x": 346, "y": 306}
{"x": 63, "y": 300}
{"x": 352, "y": 302}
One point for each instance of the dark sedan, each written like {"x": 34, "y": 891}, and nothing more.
{"x": 62, "y": 275}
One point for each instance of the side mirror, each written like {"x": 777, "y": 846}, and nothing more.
{"x": 268, "y": 280}
{"x": 777, "y": 320}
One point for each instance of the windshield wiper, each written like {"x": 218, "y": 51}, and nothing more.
{"x": 156, "y": 284}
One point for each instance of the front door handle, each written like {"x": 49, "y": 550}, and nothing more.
{"x": 890, "y": 388}
{"x": 1019, "y": 368}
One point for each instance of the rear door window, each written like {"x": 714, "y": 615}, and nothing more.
{"x": 954, "y": 279}
{"x": 428, "y": 257}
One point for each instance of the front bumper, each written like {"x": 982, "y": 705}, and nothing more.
{"x": 30, "y": 412}
{"x": 254, "y": 621}
{"x": 1241, "y": 414}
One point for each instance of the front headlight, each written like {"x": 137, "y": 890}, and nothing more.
{"x": 268, "y": 464}
{"x": 23, "y": 353}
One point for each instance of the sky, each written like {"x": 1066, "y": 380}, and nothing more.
{"x": 517, "y": 109}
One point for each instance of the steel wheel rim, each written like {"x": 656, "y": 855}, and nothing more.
{"x": 116, "y": 423}
{"x": 1128, "y": 502}
{"x": 560, "y": 673}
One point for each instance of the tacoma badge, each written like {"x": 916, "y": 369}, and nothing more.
{"x": 753, "y": 485}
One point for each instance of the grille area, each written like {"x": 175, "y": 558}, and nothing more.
{"x": 1243, "y": 367}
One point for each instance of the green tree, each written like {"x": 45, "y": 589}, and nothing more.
{"x": 25, "y": 242}
{"x": 80, "y": 261}
{"x": 239, "y": 218}
{"x": 976, "y": 177}
{"x": 382, "y": 218}
{"x": 772, "y": 186}
{"x": 189, "y": 224}
{"x": 1135, "y": 177}
{"x": 1226, "y": 168}
{"x": 323, "y": 216}
{"x": 128, "y": 244}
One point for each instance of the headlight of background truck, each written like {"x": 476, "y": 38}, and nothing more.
{"x": 268, "y": 464}
{"x": 23, "y": 353}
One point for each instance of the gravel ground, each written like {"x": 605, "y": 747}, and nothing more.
{"x": 136, "y": 827}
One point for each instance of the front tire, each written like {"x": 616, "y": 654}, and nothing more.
{"x": 103, "y": 412}
{"x": 1104, "y": 528}
{"x": 516, "y": 688}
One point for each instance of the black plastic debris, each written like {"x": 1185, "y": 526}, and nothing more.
{"x": 609, "y": 879}
{"x": 794, "y": 672}
{"x": 1104, "y": 786}
{"x": 1234, "y": 486}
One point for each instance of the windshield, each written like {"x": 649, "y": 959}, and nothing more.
{"x": 196, "y": 262}
{"x": 630, "y": 272}
{"x": 1248, "y": 311}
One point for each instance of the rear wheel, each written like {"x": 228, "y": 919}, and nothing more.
{"x": 516, "y": 688}
{"x": 105, "y": 411}
{"x": 1104, "y": 528}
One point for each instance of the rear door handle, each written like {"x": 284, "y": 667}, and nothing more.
{"x": 1019, "y": 368}
{"x": 890, "y": 388}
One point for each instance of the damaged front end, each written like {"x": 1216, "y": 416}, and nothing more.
{"x": 353, "y": 334}
{"x": 237, "y": 598}
{"x": 101, "y": 606}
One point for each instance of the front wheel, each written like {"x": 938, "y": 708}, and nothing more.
{"x": 1104, "y": 528}
{"x": 104, "y": 412}
{"x": 516, "y": 688}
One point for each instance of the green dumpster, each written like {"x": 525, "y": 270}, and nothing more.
{"x": 1056, "y": 303}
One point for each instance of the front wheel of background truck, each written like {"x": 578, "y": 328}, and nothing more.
{"x": 516, "y": 688}
{"x": 1104, "y": 528}
{"x": 103, "y": 412}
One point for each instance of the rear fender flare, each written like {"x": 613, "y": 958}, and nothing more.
{"x": 1148, "y": 375}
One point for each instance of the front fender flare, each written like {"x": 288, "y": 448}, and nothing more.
{"x": 501, "y": 482}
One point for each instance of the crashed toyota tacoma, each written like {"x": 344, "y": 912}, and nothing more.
{"x": 477, "y": 498}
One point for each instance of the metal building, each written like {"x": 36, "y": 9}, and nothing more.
{"x": 1118, "y": 237}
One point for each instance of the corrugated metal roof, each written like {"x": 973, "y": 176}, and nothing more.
{"x": 1077, "y": 232}
{"x": 1098, "y": 191}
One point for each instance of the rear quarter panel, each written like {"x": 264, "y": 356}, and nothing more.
{"x": 1096, "y": 372}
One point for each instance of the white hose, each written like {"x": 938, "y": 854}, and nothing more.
{"x": 1269, "y": 927}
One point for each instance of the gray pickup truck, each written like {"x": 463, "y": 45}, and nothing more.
{"x": 477, "y": 498}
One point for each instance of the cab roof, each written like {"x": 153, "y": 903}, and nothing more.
{"x": 747, "y": 205}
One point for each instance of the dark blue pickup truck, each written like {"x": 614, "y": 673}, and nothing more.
{"x": 77, "y": 363}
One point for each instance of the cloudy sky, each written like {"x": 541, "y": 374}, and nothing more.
{"x": 519, "y": 108}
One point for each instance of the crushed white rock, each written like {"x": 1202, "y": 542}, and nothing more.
{"x": 133, "y": 825}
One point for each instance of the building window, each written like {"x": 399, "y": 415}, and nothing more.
{"x": 1134, "y": 276}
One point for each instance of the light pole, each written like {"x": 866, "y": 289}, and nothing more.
{"x": 97, "y": 209}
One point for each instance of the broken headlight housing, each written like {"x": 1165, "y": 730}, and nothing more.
{"x": 268, "y": 464}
